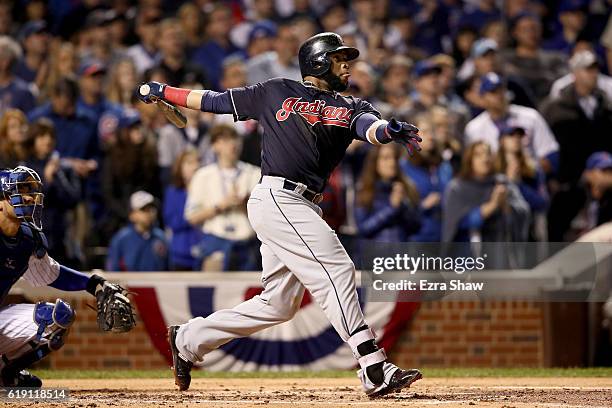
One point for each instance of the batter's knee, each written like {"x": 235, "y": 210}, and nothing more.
{"x": 284, "y": 310}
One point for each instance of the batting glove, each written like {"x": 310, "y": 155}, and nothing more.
{"x": 405, "y": 134}
{"x": 148, "y": 92}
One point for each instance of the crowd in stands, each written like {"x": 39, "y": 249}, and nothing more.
{"x": 513, "y": 100}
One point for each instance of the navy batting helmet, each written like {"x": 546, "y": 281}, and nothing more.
{"x": 314, "y": 53}
{"x": 22, "y": 188}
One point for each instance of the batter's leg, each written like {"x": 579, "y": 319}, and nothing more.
{"x": 294, "y": 230}
{"x": 279, "y": 301}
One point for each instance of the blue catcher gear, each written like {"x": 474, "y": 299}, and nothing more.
{"x": 22, "y": 188}
{"x": 54, "y": 321}
{"x": 56, "y": 318}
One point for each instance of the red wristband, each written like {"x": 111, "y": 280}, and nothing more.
{"x": 176, "y": 96}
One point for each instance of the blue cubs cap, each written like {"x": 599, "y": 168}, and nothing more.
{"x": 599, "y": 160}
{"x": 32, "y": 27}
{"x": 129, "y": 119}
{"x": 482, "y": 47}
{"x": 425, "y": 67}
{"x": 91, "y": 67}
{"x": 490, "y": 82}
{"x": 573, "y": 5}
{"x": 262, "y": 29}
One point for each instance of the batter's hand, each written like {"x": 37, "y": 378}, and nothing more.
{"x": 150, "y": 91}
{"x": 405, "y": 134}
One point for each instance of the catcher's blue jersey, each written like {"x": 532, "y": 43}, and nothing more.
{"x": 25, "y": 255}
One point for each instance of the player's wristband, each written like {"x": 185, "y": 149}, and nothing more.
{"x": 176, "y": 96}
{"x": 377, "y": 133}
{"x": 93, "y": 283}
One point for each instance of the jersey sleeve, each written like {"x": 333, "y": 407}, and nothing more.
{"x": 361, "y": 107}
{"x": 544, "y": 142}
{"x": 248, "y": 101}
{"x": 41, "y": 272}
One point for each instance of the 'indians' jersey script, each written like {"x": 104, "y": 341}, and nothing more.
{"x": 306, "y": 129}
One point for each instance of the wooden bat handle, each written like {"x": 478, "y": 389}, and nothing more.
{"x": 172, "y": 113}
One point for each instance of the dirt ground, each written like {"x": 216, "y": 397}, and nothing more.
{"x": 333, "y": 393}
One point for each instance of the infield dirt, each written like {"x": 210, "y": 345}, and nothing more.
{"x": 334, "y": 393}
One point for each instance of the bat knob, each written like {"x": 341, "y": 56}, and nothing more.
{"x": 144, "y": 89}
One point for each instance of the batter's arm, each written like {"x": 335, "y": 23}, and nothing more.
{"x": 204, "y": 100}
{"x": 370, "y": 128}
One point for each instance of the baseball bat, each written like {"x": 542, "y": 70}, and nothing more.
{"x": 171, "y": 112}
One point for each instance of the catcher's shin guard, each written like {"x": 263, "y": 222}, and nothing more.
{"x": 54, "y": 321}
{"x": 180, "y": 365}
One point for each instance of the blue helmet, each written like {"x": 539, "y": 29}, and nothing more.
{"x": 22, "y": 188}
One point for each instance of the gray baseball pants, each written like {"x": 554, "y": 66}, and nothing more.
{"x": 299, "y": 250}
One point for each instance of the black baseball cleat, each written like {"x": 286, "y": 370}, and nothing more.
{"x": 399, "y": 380}
{"x": 181, "y": 366}
{"x": 22, "y": 378}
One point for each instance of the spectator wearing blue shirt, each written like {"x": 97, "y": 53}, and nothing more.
{"x": 75, "y": 127}
{"x": 573, "y": 20}
{"x": 32, "y": 68}
{"x": 91, "y": 85}
{"x": 184, "y": 235}
{"x": 430, "y": 174}
{"x": 139, "y": 246}
{"x": 386, "y": 200}
{"x": 431, "y": 26}
{"x": 77, "y": 143}
{"x": 14, "y": 92}
{"x": 211, "y": 54}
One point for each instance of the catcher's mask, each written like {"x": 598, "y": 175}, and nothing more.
{"x": 22, "y": 188}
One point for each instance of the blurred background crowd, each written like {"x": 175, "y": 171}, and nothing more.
{"x": 513, "y": 100}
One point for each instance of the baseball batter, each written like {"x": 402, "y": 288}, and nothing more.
{"x": 29, "y": 332}
{"x": 307, "y": 127}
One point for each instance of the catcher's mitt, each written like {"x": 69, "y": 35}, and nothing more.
{"x": 114, "y": 309}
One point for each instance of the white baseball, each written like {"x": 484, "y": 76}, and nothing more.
{"x": 145, "y": 89}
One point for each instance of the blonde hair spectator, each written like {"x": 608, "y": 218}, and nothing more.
{"x": 14, "y": 146}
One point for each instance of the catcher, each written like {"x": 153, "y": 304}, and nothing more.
{"x": 29, "y": 332}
